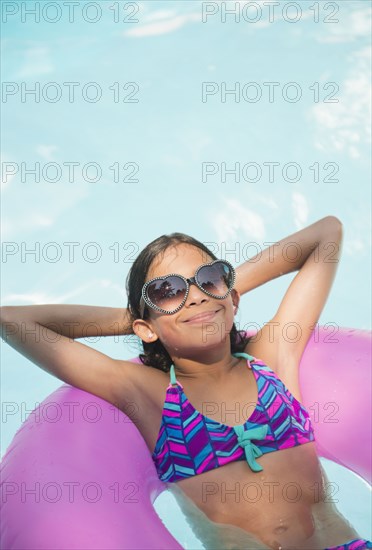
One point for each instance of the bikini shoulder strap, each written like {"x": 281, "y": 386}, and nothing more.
{"x": 173, "y": 379}
{"x": 242, "y": 354}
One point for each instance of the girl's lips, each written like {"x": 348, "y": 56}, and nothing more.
{"x": 202, "y": 317}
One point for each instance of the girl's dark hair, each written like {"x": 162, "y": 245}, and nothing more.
{"x": 155, "y": 354}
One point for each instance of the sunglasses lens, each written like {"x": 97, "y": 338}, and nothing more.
{"x": 167, "y": 293}
{"x": 217, "y": 279}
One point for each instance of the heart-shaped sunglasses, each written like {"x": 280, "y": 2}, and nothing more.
{"x": 168, "y": 294}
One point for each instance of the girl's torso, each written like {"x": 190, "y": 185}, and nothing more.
{"x": 289, "y": 502}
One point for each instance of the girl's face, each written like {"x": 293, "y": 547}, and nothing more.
{"x": 177, "y": 332}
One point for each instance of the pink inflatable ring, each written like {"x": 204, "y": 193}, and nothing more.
{"x": 78, "y": 473}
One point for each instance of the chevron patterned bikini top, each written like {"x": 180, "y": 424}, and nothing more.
{"x": 190, "y": 443}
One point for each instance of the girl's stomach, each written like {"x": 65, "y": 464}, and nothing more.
{"x": 290, "y": 504}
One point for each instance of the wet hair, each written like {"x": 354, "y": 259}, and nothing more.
{"x": 154, "y": 353}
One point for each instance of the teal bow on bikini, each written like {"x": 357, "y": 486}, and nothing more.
{"x": 251, "y": 450}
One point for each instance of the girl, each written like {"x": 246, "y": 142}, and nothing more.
{"x": 221, "y": 414}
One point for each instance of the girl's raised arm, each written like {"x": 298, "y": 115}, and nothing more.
{"x": 46, "y": 334}
{"x": 315, "y": 253}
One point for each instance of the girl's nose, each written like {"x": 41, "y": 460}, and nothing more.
{"x": 195, "y": 296}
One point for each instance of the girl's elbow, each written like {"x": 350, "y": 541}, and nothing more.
{"x": 335, "y": 223}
